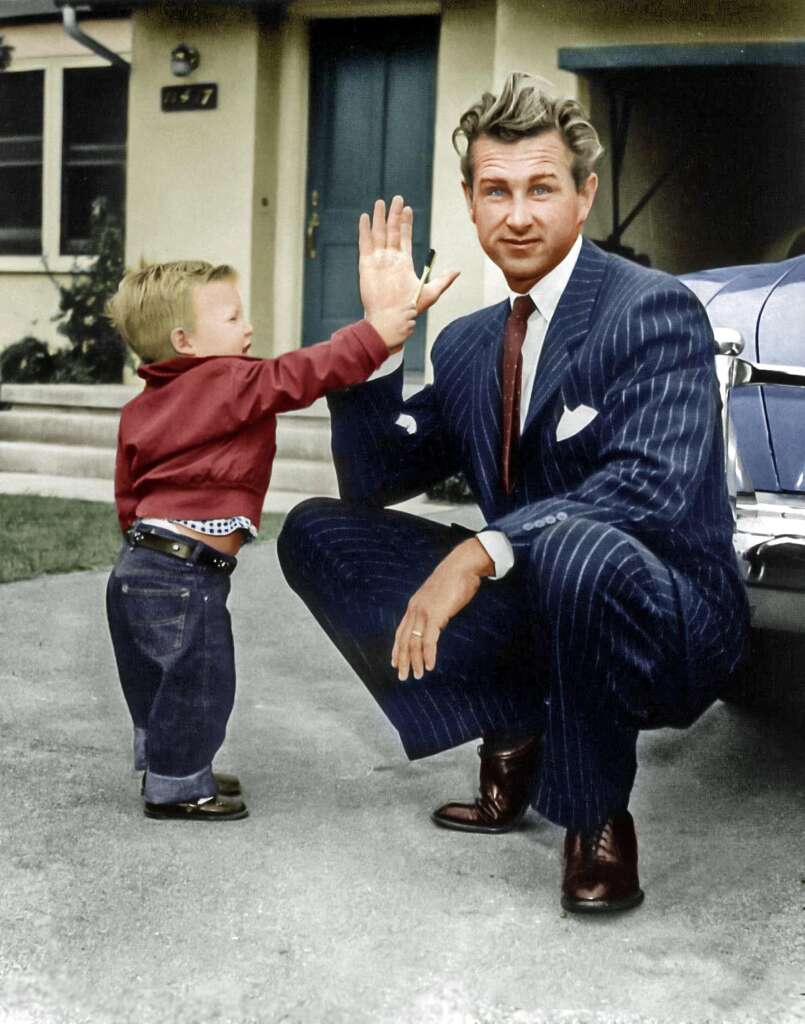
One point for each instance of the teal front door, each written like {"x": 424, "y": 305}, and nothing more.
{"x": 372, "y": 99}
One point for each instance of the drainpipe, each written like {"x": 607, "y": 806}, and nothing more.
{"x": 70, "y": 24}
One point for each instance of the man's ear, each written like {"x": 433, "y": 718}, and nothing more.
{"x": 182, "y": 342}
{"x": 586, "y": 196}
{"x": 468, "y": 199}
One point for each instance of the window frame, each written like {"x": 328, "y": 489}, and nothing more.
{"x": 28, "y": 166}
{"x": 52, "y": 134}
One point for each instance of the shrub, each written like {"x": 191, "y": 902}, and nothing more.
{"x": 26, "y": 362}
{"x": 454, "y": 490}
{"x": 96, "y": 353}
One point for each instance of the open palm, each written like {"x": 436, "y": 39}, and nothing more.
{"x": 387, "y": 275}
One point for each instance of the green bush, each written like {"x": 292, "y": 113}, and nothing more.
{"x": 96, "y": 354}
{"x": 26, "y": 362}
{"x": 454, "y": 490}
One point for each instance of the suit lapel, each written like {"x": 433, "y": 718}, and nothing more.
{"x": 569, "y": 326}
{"x": 486, "y": 397}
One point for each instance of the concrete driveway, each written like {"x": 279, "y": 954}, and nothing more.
{"x": 337, "y": 900}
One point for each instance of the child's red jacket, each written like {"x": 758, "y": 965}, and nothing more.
{"x": 199, "y": 441}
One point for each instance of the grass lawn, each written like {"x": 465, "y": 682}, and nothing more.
{"x": 43, "y": 535}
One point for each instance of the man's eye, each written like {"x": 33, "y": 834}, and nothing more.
{"x": 540, "y": 190}
{"x": 494, "y": 191}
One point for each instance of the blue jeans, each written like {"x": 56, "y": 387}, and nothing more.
{"x": 172, "y": 637}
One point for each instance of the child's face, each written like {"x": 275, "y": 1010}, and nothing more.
{"x": 221, "y": 327}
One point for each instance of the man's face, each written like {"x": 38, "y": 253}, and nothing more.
{"x": 221, "y": 327}
{"x": 525, "y": 206}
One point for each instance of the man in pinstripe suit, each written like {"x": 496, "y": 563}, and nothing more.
{"x": 602, "y": 597}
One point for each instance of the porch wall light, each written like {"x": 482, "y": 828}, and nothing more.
{"x": 184, "y": 60}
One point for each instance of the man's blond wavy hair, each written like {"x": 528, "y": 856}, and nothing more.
{"x": 525, "y": 108}
{"x": 151, "y": 301}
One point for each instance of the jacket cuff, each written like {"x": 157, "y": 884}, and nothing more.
{"x": 371, "y": 341}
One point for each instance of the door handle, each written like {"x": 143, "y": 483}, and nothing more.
{"x": 312, "y": 224}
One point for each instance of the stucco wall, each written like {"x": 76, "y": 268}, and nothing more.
{"x": 191, "y": 180}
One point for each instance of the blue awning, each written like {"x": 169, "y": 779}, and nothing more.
{"x": 588, "y": 59}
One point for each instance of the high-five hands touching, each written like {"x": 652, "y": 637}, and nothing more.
{"x": 388, "y": 280}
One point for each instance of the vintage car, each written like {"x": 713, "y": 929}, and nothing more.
{"x": 758, "y": 317}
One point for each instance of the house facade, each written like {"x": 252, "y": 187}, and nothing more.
{"x": 295, "y": 116}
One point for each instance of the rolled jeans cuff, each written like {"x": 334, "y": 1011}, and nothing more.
{"x": 140, "y": 760}
{"x": 168, "y": 789}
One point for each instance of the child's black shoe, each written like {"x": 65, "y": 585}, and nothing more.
{"x": 215, "y": 808}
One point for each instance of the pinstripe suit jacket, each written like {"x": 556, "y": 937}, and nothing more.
{"x": 631, "y": 343}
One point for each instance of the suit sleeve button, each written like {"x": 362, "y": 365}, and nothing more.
{"x": 561, "y": 516}
{"x": 539, "y": 524}
{"x": 550, "y": 520}
{"x": 528, "y": 526}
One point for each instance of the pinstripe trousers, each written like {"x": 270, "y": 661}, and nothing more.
{"x": 582, "y": 644}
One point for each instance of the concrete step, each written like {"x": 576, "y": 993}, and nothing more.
{"x": 277, "y": 500}
{"x": 306, "y": 476}
{"x": 84, "y": 396}
{"x": 302, "y": 434}
{"x": 57, "y": 459}
{"x": 70, "y": 431}
{"x": 48, "y": 425}
{"x": 303, "y": 437}
{"x": 298, "y": 437}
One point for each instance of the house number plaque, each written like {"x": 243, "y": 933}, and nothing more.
{"x": 202, "y": 96}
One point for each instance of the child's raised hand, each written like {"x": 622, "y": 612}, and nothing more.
{"x": 388, "y": 281}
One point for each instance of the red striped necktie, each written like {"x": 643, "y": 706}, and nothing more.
{"x": 513, "y": 338}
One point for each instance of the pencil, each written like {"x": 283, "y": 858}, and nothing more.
{"x": 425, "y": 275}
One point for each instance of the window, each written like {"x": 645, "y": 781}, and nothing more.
{"x": 93, "y": 150}
{"x": 21, "y": 117}
{"x": 52, "y": 170}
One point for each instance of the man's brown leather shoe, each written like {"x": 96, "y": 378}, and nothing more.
{"x": 601, "y": 867}
{"x": 216, "y": 808}
{"x": 507, "y": 777}
{"x": 227, "y": 785}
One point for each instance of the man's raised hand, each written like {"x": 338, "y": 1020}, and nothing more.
{"x": 388, "y": 280}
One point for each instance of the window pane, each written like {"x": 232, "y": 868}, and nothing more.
{"x": 94, "y": 149}
{"x": 21, "y": 112}
{"x": 83, "y": 185}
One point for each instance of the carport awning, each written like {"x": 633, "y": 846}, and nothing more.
{"x": 622, "y": 70}
{"x": 112, "y": 6}
{"x": 591, "y": 59}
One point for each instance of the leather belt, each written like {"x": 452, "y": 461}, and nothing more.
{"x": 189, "y": 550}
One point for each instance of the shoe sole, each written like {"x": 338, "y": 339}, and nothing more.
{"x": 189, "y": 816}
{"x": 602, "y": 906}
{"x": 486, "y": 830}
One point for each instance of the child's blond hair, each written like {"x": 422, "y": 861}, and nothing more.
{"x": 151, "y": 301}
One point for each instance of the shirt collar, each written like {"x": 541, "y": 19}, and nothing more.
{"x": 547, "y": 292}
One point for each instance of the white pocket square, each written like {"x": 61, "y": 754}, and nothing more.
{"x": 574, "y": 420}
{"x": 408, "y": 423}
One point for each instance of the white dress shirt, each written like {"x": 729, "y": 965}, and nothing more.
{"x": 545, "y": 294}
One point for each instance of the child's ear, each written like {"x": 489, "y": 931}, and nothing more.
{"x": 181, "y": 341}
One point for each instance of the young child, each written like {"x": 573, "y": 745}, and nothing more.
{"x": 194, "y": 458}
